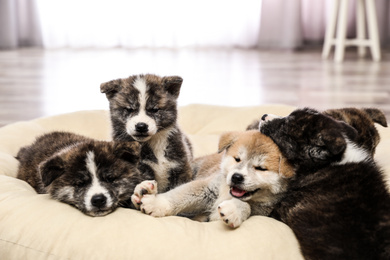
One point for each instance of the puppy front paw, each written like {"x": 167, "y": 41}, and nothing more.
{"x": 145, "y": 187}
{"x": 230, "y": 214}
{"x": 155, "y": 205}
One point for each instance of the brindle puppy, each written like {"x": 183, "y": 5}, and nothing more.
{"x": 94, "y": 176}
{"x": 363, "y": 121}
{"x": 338, "y": 204}
{"x": 143, "y": 108}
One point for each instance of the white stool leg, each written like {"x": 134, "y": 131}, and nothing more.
{"x": 361, "y": 27}
{"x": 373, "y": 30}
{"x": 341, "y": 31}
{"x": 330, "y": 29}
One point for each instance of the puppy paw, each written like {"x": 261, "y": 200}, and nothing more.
{"x": 155, "y": 205}
{"x": 145, "y": 187}
{"x": 230, "y": 214}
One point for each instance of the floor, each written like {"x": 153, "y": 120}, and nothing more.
{"x": 36, "y": 83}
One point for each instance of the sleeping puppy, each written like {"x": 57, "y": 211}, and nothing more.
{"x": 338, "y": 204}
{"x": 143, "y": 108}
{"x": 94, "y": 176}
{"x": 247, "y": 179}
{"x": 363, "y": 120}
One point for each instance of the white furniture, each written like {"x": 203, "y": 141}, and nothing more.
{"x": 338, "y": 23}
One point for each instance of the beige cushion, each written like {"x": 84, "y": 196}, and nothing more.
{"x": 34, "y": 226}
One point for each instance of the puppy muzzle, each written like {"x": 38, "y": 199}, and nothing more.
{"x": 236, "y": 187}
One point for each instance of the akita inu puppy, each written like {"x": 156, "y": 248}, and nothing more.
{"x": 247, "y": 179}
{"x": 143, "y": 108}
{"x": 363, "y": 120}
{"x": 94, "y": 176}
{"x": 338, "y": 204}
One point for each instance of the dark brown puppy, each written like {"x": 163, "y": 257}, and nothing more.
{"x": 94, "y": 176}
{"x": 361, "y": 119}
{"x": 143, "y": 108}
{"x": 338, "y": 205}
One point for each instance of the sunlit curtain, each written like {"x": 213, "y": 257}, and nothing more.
{"x": 149, "y": 23}
{"x": 172, "y": 23}
{"x": 19, "y": 25}
{"x": 281, "y": 24}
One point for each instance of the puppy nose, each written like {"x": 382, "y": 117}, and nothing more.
{"x": 98, "y": 200}
{"x": 141, "y": 127}
{"x": 237, "y": 178}
{"x": 264, "y": 117}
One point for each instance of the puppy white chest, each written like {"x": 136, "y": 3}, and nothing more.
{"x": 162, "y": 166}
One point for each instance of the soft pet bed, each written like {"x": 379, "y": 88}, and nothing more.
{"x": 34, "y": 226}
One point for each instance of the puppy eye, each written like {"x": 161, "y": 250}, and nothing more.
{"x": 80, "y": 183}
{"x": 259, "y": 168}
{"x": 110, "y": 178}
{"x": 129, "y": 110}
{"x": 153, "y": 110}
{"x": 237, "y": 159}
{"x": 81, "y": 180}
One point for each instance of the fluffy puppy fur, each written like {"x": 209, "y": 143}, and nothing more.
{"x": 143, "y": 108}
{"x": 94, "y": 176}
{"x": 338, "y": 204}
{"x": 247, "y": 179}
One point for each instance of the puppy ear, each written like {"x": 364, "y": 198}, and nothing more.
{"x": 128, "y": 151}
{"x": 110, "y": 88}
{"x": 51, "y": 170}
{"x": 255, "y": 125}
{"x": 172, "y": 85}
{"x": 376, "y": 115}
{"x": 330, "y": 143}
{"x": 285, "y": 168}
{"x": 226, "y": 140}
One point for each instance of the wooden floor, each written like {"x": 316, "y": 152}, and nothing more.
{"x": 36, "y": 83}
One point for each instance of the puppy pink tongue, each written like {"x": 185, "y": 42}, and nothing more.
{"x": 237, "y": 192}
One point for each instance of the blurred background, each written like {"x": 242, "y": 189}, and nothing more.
{"x": 54, "y": 54}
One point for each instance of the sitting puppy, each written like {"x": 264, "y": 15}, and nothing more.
{"x": 338, "y": 204}
{"x": 247, "y": 179}
{"x": 143, "y": 108}
{"x": 94, "y": 176}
